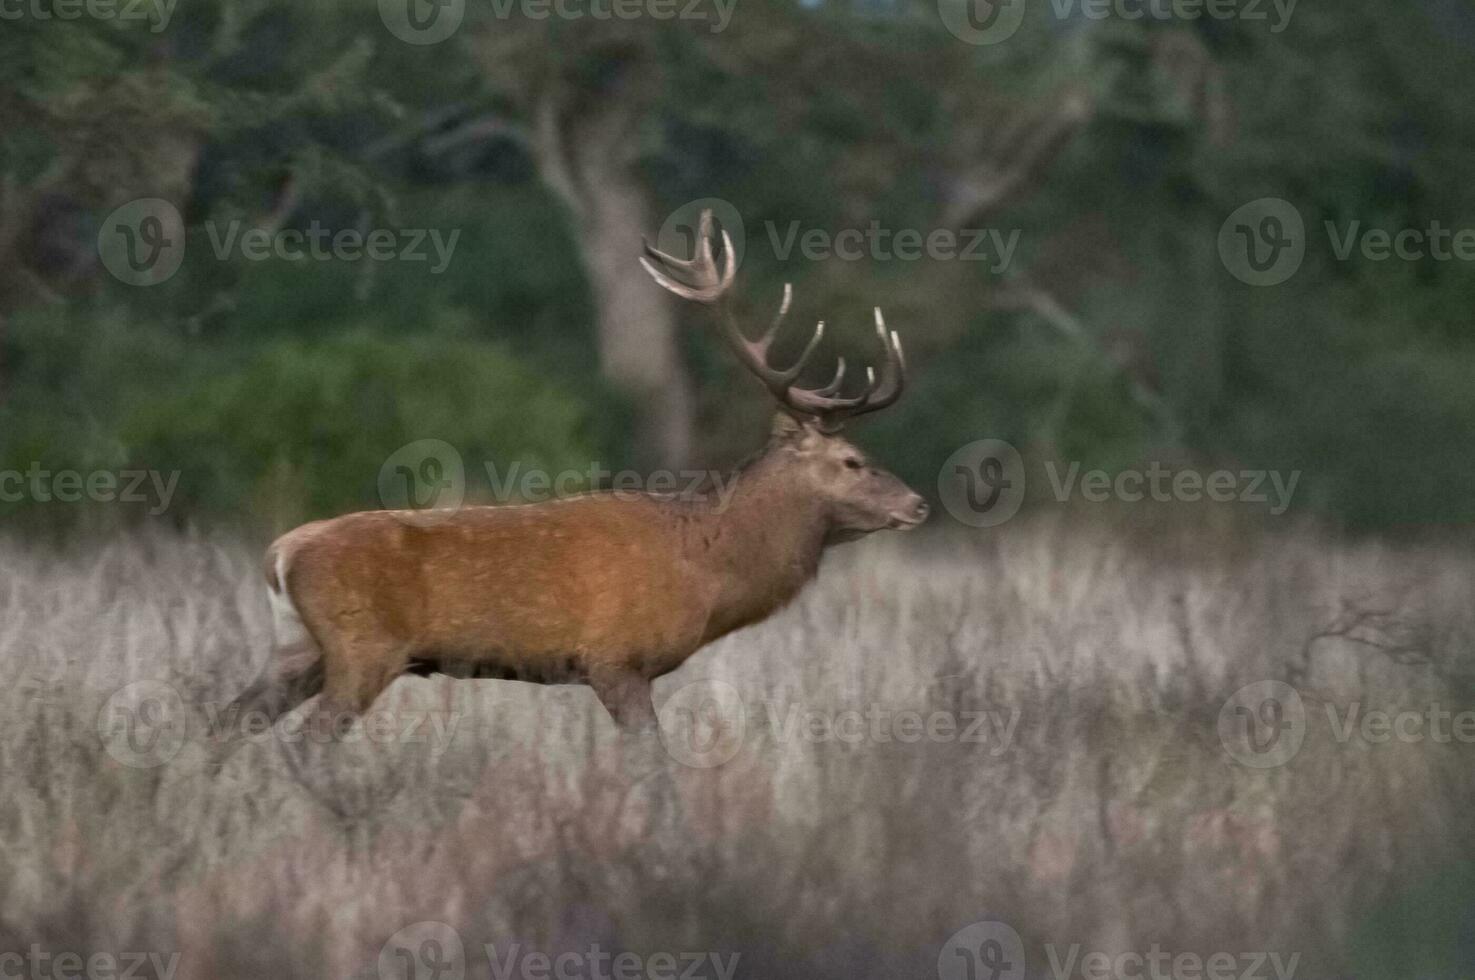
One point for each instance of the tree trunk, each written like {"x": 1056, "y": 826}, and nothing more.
{"x": 589, "y": 163}
{"x": 638, "y": 349}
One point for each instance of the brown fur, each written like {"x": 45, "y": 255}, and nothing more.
{"x": 608, "y": 589}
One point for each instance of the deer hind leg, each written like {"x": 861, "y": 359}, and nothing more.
{"x": 285, "y": 685}
{"x": 357, "y": 669}
{"x": 293, "y": 674}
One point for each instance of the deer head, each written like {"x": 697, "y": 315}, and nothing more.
{"x": 805, "y": 450}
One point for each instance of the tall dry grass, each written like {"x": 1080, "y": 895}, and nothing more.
{"x": 1110, "y": 815}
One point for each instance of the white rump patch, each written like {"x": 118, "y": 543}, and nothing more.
{"x": 287, "y": 627}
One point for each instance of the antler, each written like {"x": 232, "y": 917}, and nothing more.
{"x": 707, "y": 285}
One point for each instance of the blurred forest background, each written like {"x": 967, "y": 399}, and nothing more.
{"x": 1116, "y": 148}
{"x": 1117, "y": 334}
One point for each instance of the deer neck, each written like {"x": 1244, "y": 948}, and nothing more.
{"x": 764, "y": 545}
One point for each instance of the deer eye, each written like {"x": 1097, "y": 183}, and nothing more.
{"x": 852, "y": 463}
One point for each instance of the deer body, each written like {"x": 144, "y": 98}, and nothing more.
{"x": 607, "y": 589}
{"x": 637, "y": 581}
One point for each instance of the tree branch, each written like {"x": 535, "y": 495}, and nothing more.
{"x": 1029, "y": 144}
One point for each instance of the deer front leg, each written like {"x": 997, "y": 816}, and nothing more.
{"x": 626, "y": 695}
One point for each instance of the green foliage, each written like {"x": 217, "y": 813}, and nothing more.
{"x": 282, "y": 430}
{"x": 298, "y": 429}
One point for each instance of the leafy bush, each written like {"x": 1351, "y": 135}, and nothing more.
{"x": 302, "y": 430}
{"x": 275, "y": 432}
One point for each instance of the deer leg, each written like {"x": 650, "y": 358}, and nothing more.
{"x": 626, "y": 695}
{"x": 356, "y": 674}
{"x": 262, "y": 704}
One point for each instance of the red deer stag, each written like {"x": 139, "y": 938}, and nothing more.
{"x": 601, "y": 589}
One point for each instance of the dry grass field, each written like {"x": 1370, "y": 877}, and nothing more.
{"x": 1025, "y": 726}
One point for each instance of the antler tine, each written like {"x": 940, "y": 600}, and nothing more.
{"x": 666, "y": 282}
{"x": 707, "y": 285}
{"x": 824, "y": 404}
{"x": 778, "y": 318}
{"x": 893, "y": 371}
{"x": 834, "y": 386}
{"x": 878, "y": 393}
{"x": 791, "y": 374}
{"x": 774, "y": 377}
